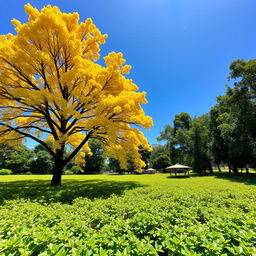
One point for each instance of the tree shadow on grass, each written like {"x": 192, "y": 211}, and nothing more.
{"x": 248, "y": 179}
{"x": 70, "y": 190}
{"x": 178, "y": 177}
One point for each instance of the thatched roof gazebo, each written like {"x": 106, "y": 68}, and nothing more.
{"x": 179, "y": 168}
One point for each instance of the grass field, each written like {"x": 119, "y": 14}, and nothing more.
{"x": 128, "y": 215}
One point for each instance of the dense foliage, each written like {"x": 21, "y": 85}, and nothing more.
{"x": 43, "y": 162}
{"x": 38, "y": 160}
{"x": 22, "y": 159}
{"x": 128, "y": 215}
{"x": 5, "y": 172}
{"x": 94, "y": 163}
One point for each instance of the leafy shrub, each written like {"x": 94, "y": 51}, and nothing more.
{"x": 68, "y": 172}
{"x": 28, "y": 173}
{"x": 5, "y": 172}
{"x": 197, "y": 216}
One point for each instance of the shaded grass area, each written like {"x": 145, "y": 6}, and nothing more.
{"x": 39, "y": 189}
{"x": 249, "y": 179}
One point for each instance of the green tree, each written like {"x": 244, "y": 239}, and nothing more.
{"x": 19, "y": 160}
{"x": 145, "y": 156}
{"x": 182, "y": 121}
{"x": 167, "y": 135}
{"x": 245, "y": 71}
{"x": 245, "y": 94}
{"x": 234, "y": 125}
{"x": 114, "y": 165}
{"x": 161, "y": 161}
{"x": 43, "y": 161}
{"x": 219, "y": 147}
{"x": 5, "y": 151}
{"x": 159, "y": 157}
{"x": 201, "y": 144}
{"x": 94, "y": 163}
{"x": 176, "y": 138}
{"x": 188, "y": 142}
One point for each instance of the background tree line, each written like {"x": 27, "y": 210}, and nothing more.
{"x": 39, "y": 161}
{"x": 226, "y": 135}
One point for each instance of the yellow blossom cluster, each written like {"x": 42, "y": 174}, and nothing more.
{"x": 50, "y": 83}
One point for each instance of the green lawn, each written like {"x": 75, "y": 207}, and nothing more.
{"x": 128, "y": 215}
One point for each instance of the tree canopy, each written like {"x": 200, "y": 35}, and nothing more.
{"x": 50, "y": 84}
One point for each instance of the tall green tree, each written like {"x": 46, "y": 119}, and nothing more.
{"x": 245, "y": 94}
{"x": 234, "y": 127}
{"x": 176, "y": 138}
{"x": 245, "y": 71}
{"x": 200, "y": 142}
{"x": 182, "y": 121}
{"x": 219, "y": 147}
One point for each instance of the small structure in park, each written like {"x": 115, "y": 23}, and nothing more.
{"x": 179, "y": 169}
{"x": 150, "y": 171}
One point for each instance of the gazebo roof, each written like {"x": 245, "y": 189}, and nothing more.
{"x": 178, "y": 166}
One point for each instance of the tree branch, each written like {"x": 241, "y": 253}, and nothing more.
{"x": 69, "y": 158}
{"x": 30, "y": 136}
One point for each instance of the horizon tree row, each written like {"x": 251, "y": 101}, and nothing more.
{"x": 226, "y": 135}
{"x": 22, "y": 160}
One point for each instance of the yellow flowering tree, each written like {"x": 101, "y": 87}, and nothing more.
{"x": 52, "y": 89}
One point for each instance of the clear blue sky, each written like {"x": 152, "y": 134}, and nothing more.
{"x": 180, "y": 50}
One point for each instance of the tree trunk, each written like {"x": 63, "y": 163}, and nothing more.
{"x": 219, "y": 168}
{"x": 58, "y": 168}
{"x": 235, "y": 170}
{"x": 247, "y": 169}
{"x": 210, "y": 168}
{"x": 229, "y": 168}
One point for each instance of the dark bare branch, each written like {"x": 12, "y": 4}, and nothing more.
{"x": 30, "y": 136}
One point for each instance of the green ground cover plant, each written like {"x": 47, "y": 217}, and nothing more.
{"x": 5, "y": 172}
{"x": 128, "y": 215}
